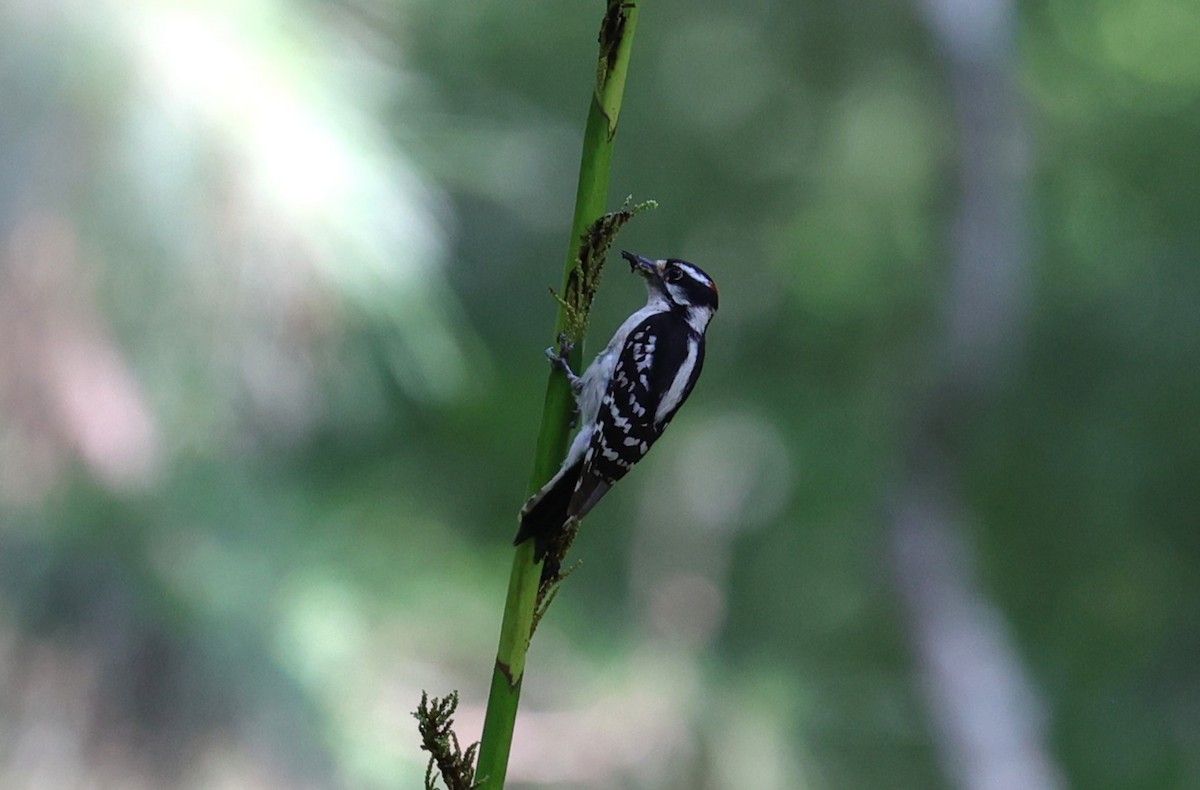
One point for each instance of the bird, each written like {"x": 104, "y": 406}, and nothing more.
{"x": 626, "y": 397}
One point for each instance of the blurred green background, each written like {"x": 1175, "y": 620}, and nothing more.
{"x": 273, "y": 299}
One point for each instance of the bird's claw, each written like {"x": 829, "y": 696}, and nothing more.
{"x": 559, "y": 357}
{"x": 565, "y": 346}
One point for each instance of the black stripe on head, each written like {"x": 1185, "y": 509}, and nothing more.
{"x": 688, "y": 284}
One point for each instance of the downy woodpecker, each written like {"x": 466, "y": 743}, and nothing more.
{"x": 627, "y": 396}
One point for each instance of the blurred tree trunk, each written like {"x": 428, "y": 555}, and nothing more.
{"x": 986, "y": 714}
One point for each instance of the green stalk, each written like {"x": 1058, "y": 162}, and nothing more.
{"x": 616, "y": 42}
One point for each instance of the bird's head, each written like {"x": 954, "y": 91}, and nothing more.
{"x": 683, "y": 285}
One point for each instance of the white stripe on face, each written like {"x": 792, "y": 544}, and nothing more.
{"x": 695, "y": 273}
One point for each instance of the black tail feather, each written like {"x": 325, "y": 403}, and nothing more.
{"x": 546, "y": 513}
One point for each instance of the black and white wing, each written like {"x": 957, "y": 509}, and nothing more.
{"x": 654, "y": 375}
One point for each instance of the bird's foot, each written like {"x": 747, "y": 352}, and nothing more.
{"x": 559, "y": 357}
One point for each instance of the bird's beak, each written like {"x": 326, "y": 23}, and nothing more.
{"x": 638, "y": 264}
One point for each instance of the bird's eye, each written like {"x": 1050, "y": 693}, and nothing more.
{"x": 674, "y": 274}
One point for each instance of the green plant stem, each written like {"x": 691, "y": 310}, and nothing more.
{"x": 616, "y": 41}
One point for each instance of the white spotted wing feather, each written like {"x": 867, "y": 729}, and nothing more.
{"x": 653, "y": 376}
